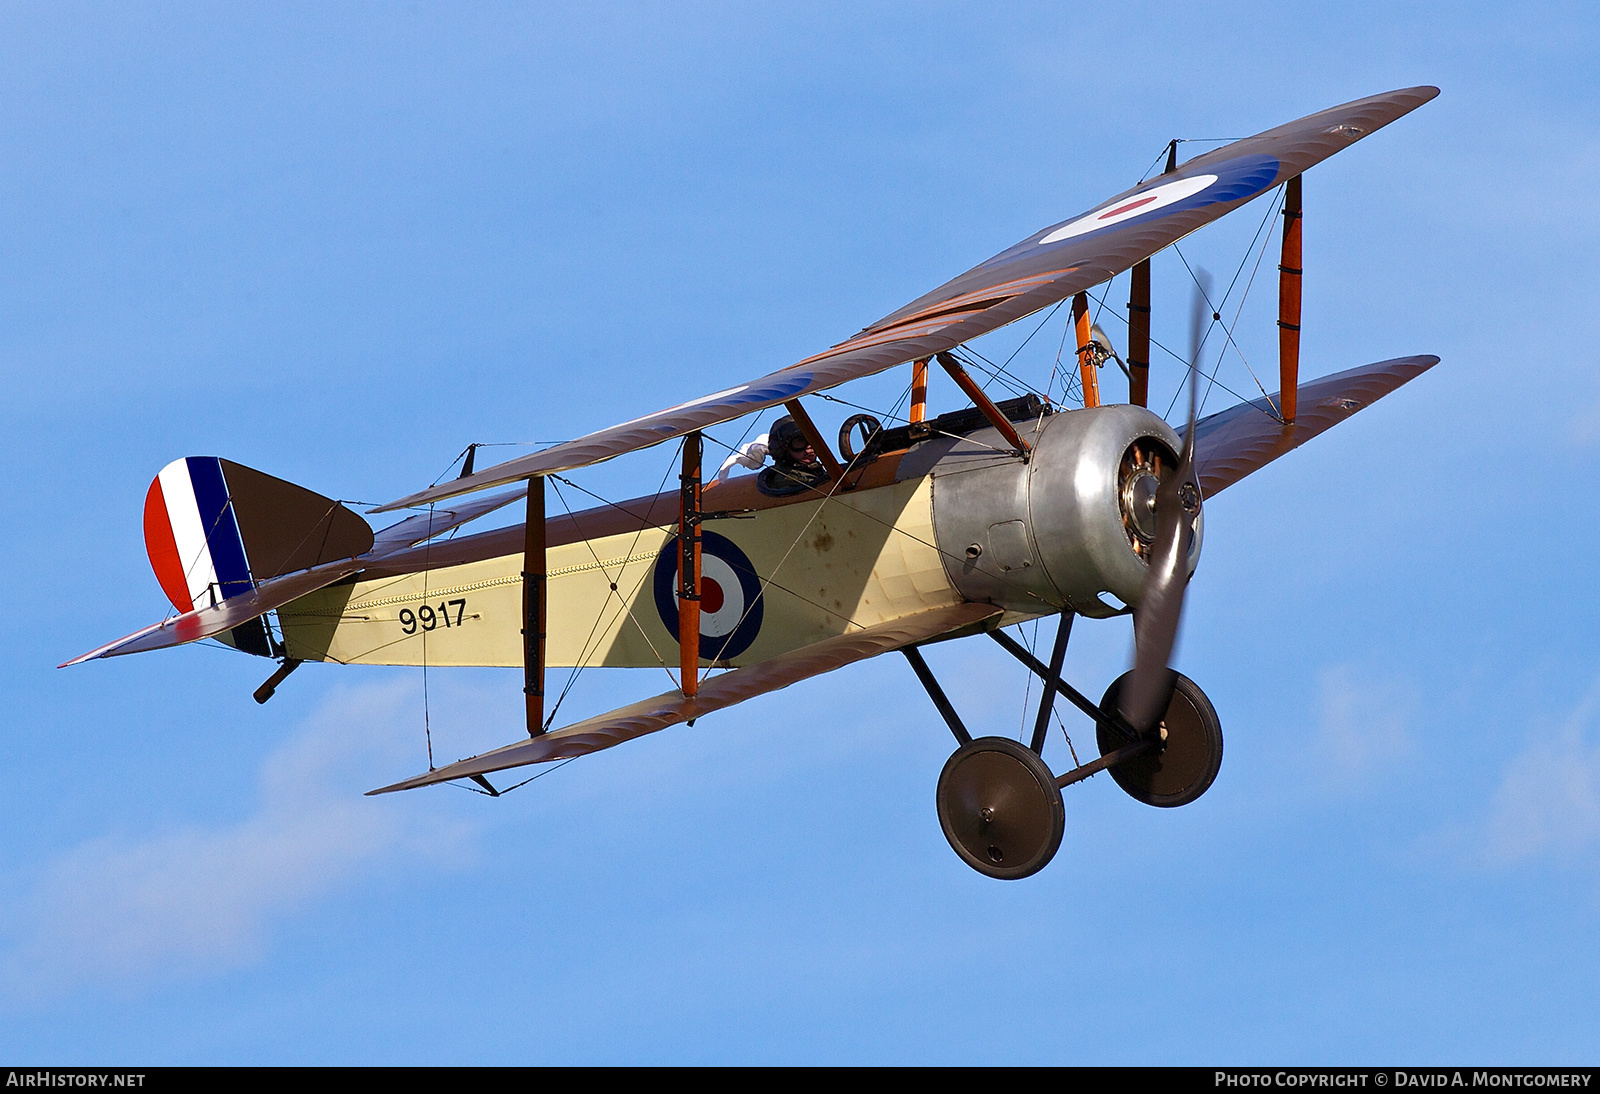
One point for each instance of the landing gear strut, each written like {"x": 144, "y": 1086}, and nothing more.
{"x": 999, "y": 804}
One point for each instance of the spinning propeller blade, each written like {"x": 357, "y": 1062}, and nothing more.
{"x": 1144, "y": 698}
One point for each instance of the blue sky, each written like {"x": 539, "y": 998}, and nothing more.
{"x": 338, "y": 245}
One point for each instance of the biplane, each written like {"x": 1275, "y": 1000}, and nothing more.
{"x": 917, "y": 530}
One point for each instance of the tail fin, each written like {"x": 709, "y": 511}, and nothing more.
{"x": 215, "y": 529}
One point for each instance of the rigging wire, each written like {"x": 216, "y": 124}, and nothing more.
{"x": 996, "y": 373}
{"x": 638, "y": 532}
{"x": 485, "y": 444}
{"x": 1182, "y": 361}
{"x": 1236, "y": 313}
{"x": 1182, "y": 140}
{"x": 1030, "y": 640}
{"x": 514, "y": 786}
{"x": 832, "y": 490}
{"x": 973, "y": 359}
{"x": 1217, "y": 307}
{"x": 1055, "y": 710}
{"x": 932, "y": 546}
{"x": 1050, "y": 384}
{"x": 1067, "y": 377}
{"x": 1048, "y": 316}
{"x": 584, "y": 649}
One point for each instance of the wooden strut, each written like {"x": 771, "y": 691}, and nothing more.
{"x": 814, "y": 435}
{"x": 534, "y": 582}
{"x": 1139, "y": 336}
{"x": 983, "y": 403}
{"x": 919, "y": 390}
{"x": 1086, "y": 368}
{"x": 689, "y": 566}
{"x": 1289, "y": 275}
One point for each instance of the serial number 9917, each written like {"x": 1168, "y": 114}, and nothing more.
{"x": 428, "y": 616}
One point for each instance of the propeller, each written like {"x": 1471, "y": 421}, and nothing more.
{"x": 1145, "y": 696}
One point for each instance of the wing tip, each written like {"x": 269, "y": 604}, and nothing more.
{"x": 1421, "y": 361}
{"x": 429, "y": 779}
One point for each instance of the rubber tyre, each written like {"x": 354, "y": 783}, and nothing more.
{"x": 1025, "y": 820}
{"x": 1187, "y": 763}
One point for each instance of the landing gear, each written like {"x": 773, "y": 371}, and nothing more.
{"x": 1000, "y": 805}
{"x": 1000, "y": 808}
{"x": 1185, "y": 763}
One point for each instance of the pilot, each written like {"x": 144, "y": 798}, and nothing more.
{"x": 795, "y": 466}
{"x": 751, "y": 457}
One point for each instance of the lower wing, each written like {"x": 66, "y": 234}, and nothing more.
{"x": 1235, "y": 442}
{"x": 670, "y": 708}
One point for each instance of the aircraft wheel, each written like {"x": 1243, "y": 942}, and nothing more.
{"x": 1000, "y": 808}
{"x": 1189, "y": 758}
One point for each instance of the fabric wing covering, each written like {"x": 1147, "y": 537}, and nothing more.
{"x": 1245, "y": 438}
{"x": 1047, "y": 267}
{"x": 717, "y": 692}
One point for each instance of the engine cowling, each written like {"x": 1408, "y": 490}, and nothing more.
{"x": 1068, "y": 529}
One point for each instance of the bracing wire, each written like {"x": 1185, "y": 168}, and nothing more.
{"x": 995, "y": 373}
{"x": 1218, "y": 306}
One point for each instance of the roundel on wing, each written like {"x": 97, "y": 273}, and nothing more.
{"x": 730, "y": 596}
{"x": 1233, "y": 180}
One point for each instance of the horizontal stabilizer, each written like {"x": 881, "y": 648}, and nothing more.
{"x": 1235, "y": 442}
{"x": 235, "y": 611}
{"x": 626, "y": 723}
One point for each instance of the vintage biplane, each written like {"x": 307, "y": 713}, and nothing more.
{"x": 917, "y": 531}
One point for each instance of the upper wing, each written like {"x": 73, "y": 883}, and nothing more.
{"x": 626, "y": 723}
{"x": 1245, "y": 438}
{"x": 1047, "y": 267}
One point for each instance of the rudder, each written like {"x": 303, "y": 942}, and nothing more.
{"x": 215, "y": 529}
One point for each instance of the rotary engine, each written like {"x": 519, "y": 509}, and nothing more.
{"x": 1070, "y": 528}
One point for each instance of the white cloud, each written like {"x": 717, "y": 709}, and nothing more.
{"x": 1548, "y": 802}
{"x": 1585, "y": 428}
{"x": 198, "y": 900}
{"x": 1362, "y": 728}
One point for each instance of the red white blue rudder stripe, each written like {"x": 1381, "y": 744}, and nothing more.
{"x": 192, "y": 535}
